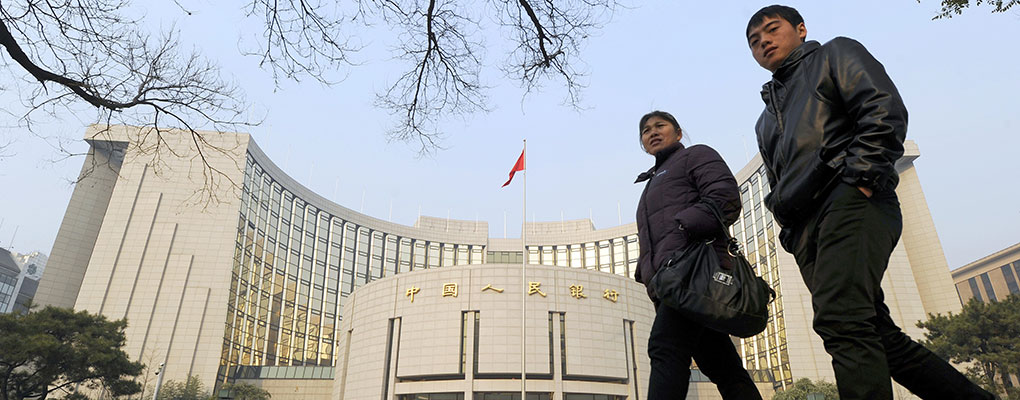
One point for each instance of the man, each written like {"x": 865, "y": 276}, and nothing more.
{"x": 831, "y": 132}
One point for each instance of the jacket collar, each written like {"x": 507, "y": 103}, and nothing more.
{"x": 794, "y": 59}
{"x": 784, "y": 71}
{"x": 660, "y": 158}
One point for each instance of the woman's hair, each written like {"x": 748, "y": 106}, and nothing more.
{"x": 661, "y": 114}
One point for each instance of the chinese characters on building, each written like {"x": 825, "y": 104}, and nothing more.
{"x": 535, "y": 287}
{"x": 575, "y": 291}
{"x": 450, "y": 290}
{"x": 411, "y": 292}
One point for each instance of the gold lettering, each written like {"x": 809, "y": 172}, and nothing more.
{"x": 577, "y": 292}
{"x": 411, "y": 292}
{"x": 489, "y": 287}
{"x": 611, "y": 295}
{"x": 534, "y": 287}
{"x": 450, "y": 290}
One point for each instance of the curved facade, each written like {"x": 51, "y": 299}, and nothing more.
{"x": 298, "y": 256}
{"x": 257, "y": 284}
{"x": 455, "y": 332}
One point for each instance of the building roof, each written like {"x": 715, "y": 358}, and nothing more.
{"x": 1008, "y": 254}
{"x": 7, "y": 262}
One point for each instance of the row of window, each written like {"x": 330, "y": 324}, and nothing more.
{"x": 508, "y": 396}
{"x": 766, "y": 351}
{"x": 1009, "y": 272}
{"x": 271, "y": 372}
{"x": 616, "y": 256}
{"x": 294, "y": 264}
{"x": 7, "y": 284}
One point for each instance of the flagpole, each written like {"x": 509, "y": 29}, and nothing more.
{"x": 524, "y": 279}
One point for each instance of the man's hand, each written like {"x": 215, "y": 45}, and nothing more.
{"x": 867, "y": 192}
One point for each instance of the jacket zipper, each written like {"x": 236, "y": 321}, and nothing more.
{"x": 779, "y": 122}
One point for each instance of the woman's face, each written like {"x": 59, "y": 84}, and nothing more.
{"x": 657, "y": 134}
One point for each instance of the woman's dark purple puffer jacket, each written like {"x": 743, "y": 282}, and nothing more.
{"x": 672, "y": 212}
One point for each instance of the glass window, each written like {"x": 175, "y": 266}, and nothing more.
{"x": 433, "y": 255}
{"x": 463, "y": 255}
{"x": 404, "y": 255}
{"x": 476, "y": 254}
{"x": 633, "y": 252}
{"x": 390, "y": 255}
{"x": 298, "y": 214}
{"x": 562, "y": 256}
{"x": 590, "y": 256}
{"x": 974, "y": 289}
{"x": 419, "y": 254}
{"x": 310, "y": 220}
{"x": 448, "y": 258}
{"x": 1016, "y": 268}
{"x": 349, "y": 240}
{"x": 576, "y": 260}
{"x": 988, "y": 287}
{"x": 434, "y": 396}
{"x": 1007, "y": 273}
{"x": 375, "y": 256}
{"x": 605, "y": 256}
{"x": 510, "y": 396}
{"x": 547, "y": 255}
{"x": 695, "y": 376}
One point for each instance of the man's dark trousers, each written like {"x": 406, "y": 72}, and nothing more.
{"x": 843, "y": 249}
{"x": 674, "y": 340}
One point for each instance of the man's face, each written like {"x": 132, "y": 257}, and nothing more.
{"x": 773, "y": 40}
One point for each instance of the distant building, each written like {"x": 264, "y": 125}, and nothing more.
{"x": 32, "y": 264}
{"x": 990, "y": 278}
{"x": 19, "y": 279}
{"x": 9, "y": 277}
{"x": 25, "y": 294}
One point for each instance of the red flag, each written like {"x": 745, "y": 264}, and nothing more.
{"x": 519, "y": 166}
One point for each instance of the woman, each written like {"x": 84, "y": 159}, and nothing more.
{"x": 671, "y": 213}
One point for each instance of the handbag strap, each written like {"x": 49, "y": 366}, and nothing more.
{"x": 731, "y": 243}
{"x": 732, "y": 246}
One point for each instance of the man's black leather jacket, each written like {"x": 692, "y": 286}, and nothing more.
{"x": 831, "y": 113}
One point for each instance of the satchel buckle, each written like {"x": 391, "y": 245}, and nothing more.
{"x": 733, "y": 248}
{"x": 723, "y": 278}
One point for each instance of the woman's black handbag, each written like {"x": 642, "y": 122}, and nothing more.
{"x": 733, "y": 301}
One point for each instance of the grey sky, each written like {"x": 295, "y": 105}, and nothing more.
{"x": 958, "y": 78}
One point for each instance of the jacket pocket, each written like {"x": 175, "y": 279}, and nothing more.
{"x": 802, "y": 192}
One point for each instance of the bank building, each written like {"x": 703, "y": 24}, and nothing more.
{"x": 274, "y": 285}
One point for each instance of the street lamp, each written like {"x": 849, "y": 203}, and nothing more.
{"x": 159, "y": 381}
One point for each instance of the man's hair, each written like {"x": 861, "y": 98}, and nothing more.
{"x": 789, "y": 14}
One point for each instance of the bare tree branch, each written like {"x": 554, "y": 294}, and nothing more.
{"x": 444, "y": 80}
{"x": 548, "y": 36}
{"x": 955, "y": 7}
{"x": 85, "y": 50}
{"x": 301, "y": 37}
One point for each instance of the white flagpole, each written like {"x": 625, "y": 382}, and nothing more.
{"x": 524, "y": 279}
